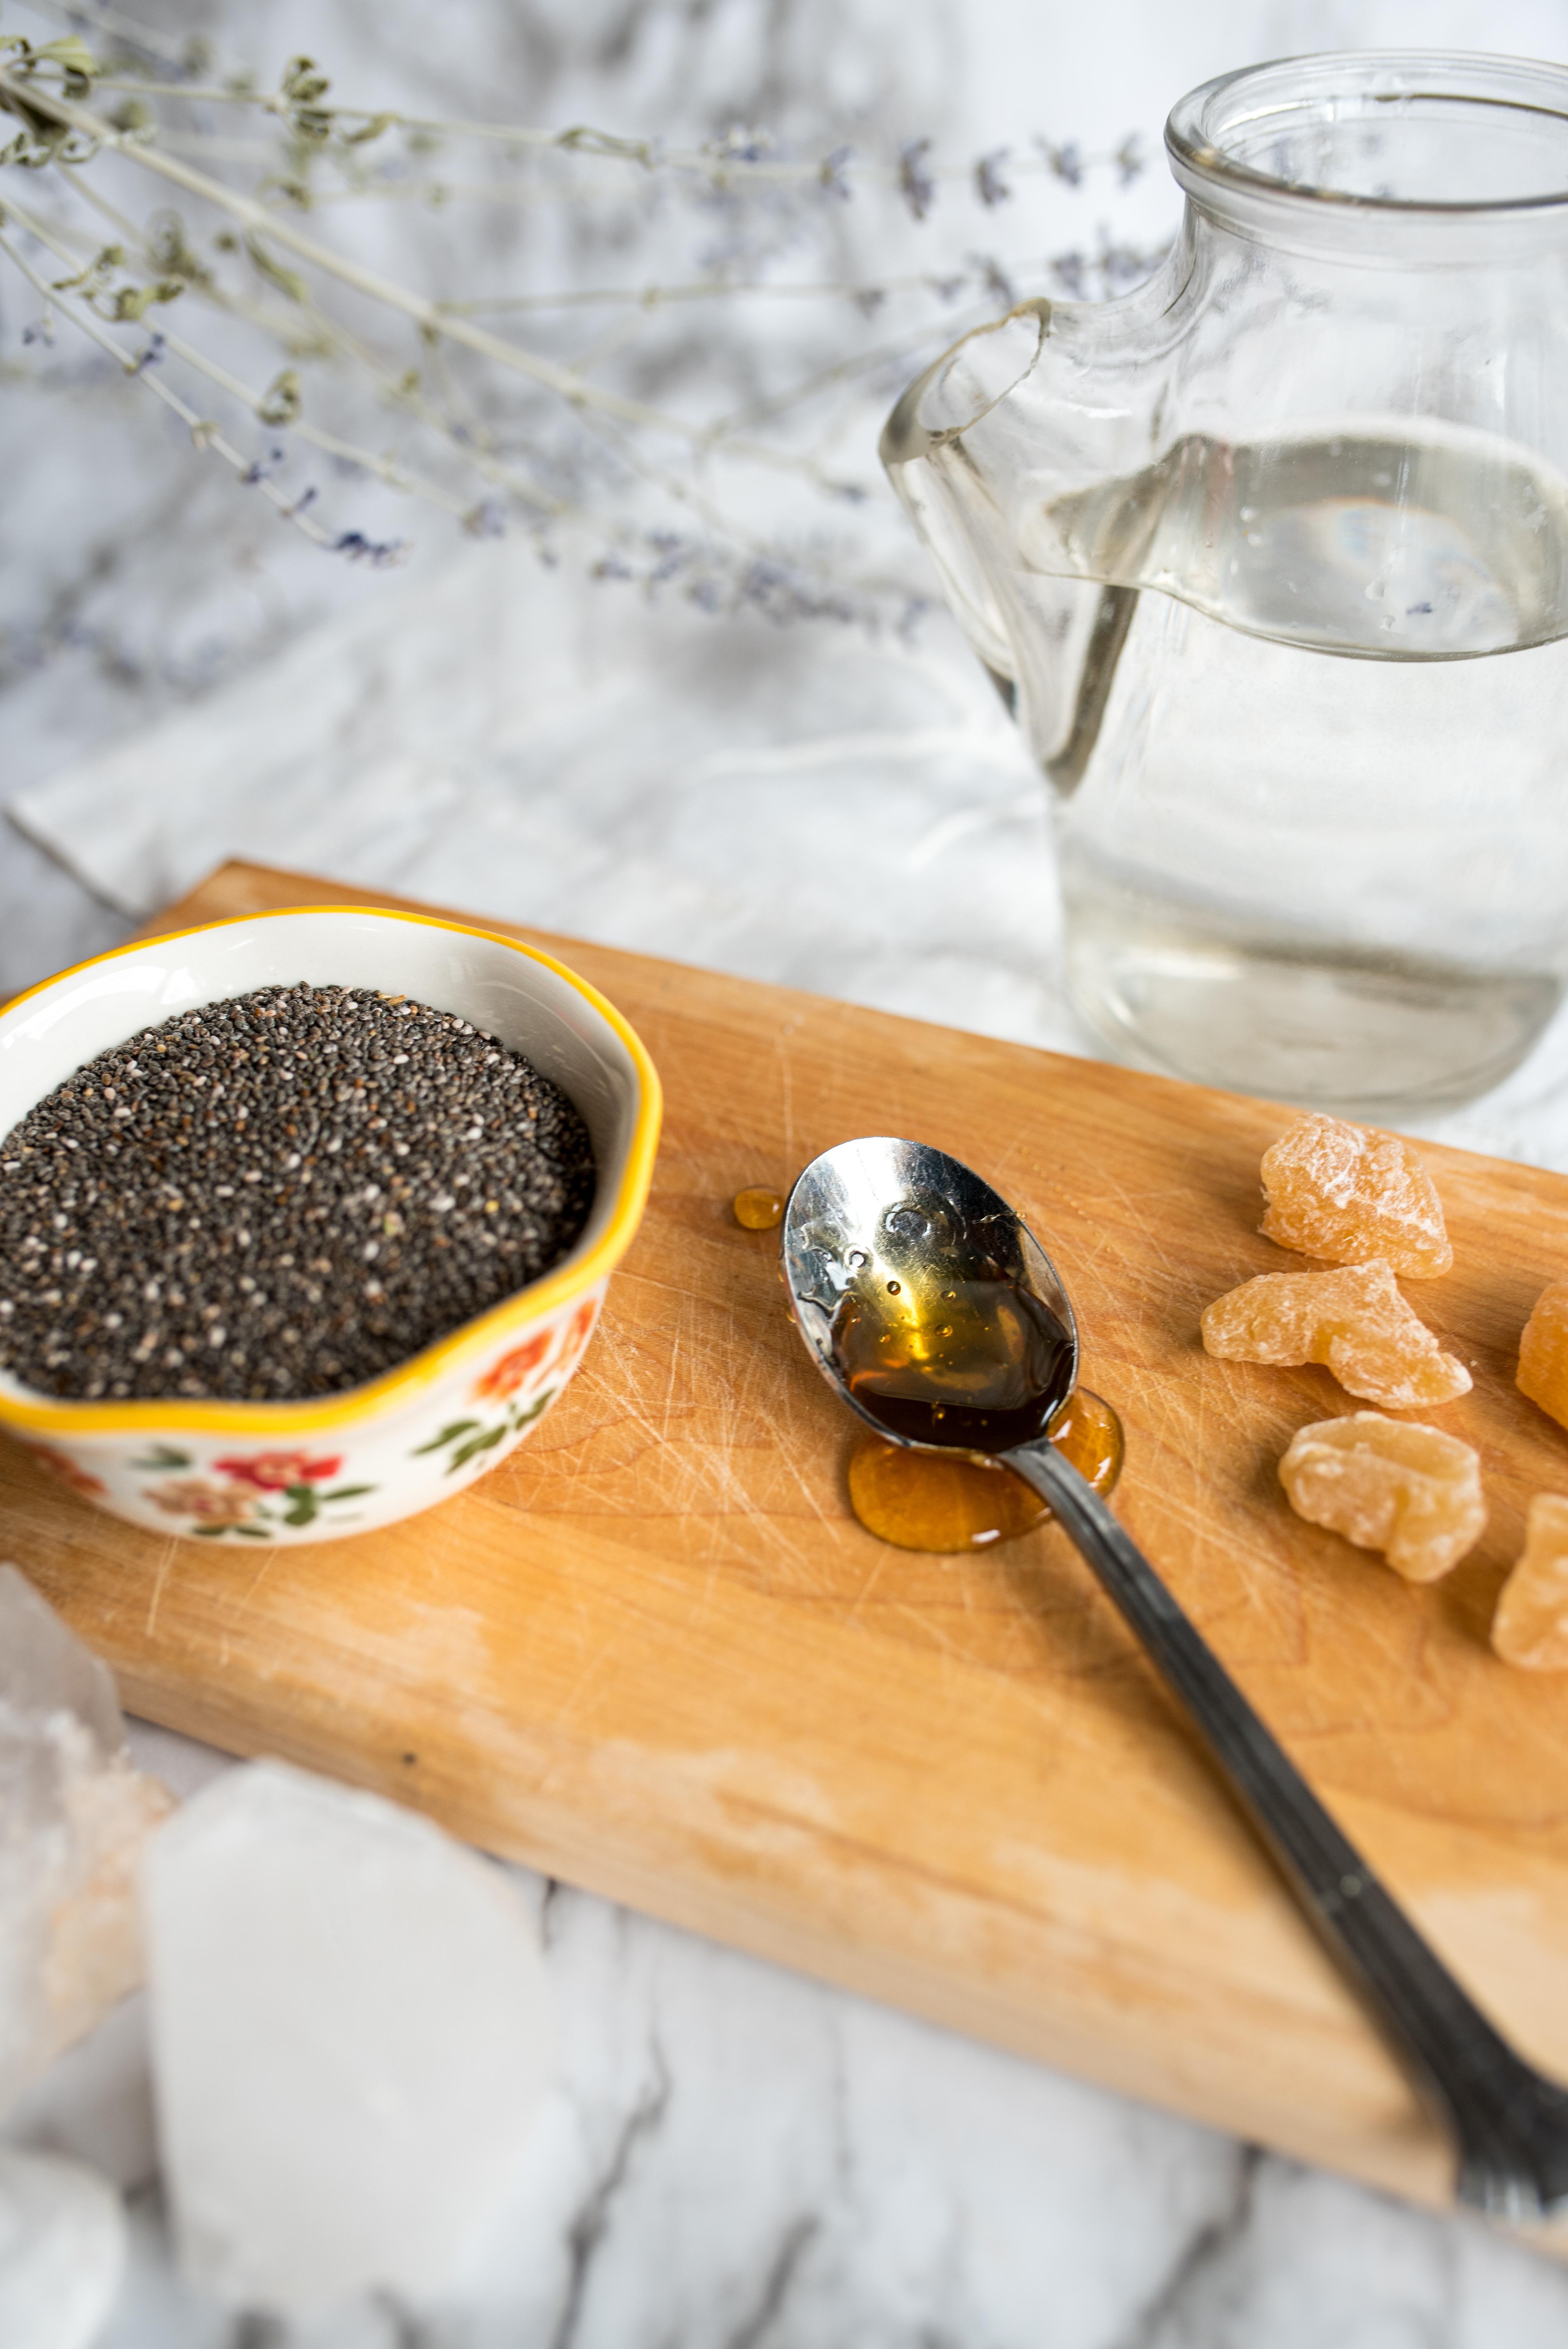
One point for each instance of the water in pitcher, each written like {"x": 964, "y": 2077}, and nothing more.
{"x": 1314, "y": 775}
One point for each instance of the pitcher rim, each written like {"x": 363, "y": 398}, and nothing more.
{"x": 1218, "y": 181}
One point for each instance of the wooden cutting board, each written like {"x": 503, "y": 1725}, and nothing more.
{"x": 655, "y": 1654}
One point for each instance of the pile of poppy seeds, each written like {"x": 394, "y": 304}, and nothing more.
{"x": 278, "y": 1195}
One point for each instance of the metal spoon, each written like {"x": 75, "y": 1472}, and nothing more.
{"x": 936, "y": 1315}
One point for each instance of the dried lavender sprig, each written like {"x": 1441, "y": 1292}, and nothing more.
{"x": 262, "y": 405}
{"x": 203, "y": 432}
{"x": 706, "y": 572}
{"x": 750, "y": 574}
{"x": 914, "y": 176}
{"x": 741, "y": 154}
{"x": 571, "y": 386}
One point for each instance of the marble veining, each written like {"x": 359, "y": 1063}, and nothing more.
{"x": 735, "y": 2157}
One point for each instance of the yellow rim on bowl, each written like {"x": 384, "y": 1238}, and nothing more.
{"x": 542, "y": 1296}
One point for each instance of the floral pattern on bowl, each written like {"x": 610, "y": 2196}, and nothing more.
{"x": 516, "y": 1381}
{"x": 267, "y": 1490}
{"x": 367, "y": 1476}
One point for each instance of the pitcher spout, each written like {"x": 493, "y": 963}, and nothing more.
{"x": 983, "y": 448}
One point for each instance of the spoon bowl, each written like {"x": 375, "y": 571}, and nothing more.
{"x": 925, "y": 1301}
{"x": 930, "y": 1306}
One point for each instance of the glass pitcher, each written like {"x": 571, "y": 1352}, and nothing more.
{"x": 1271, "y": 560}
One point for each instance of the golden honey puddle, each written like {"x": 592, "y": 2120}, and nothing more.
{"x": 932, "y": 1501}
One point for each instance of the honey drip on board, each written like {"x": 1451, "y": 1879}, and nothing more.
{"x": 918, "y": 1500}
{"x": 757, "y": 1209}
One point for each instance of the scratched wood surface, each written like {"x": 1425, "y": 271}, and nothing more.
{"x": 654, "y": 1653}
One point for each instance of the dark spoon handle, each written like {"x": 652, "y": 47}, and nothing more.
{"x": 1509, "y": 2124}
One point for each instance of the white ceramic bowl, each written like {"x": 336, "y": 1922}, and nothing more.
{"x": 342, "y": 1463}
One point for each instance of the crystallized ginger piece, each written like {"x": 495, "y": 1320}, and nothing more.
{"x": 1350, "y": 1193}
{"x": 1390, "y": 1485}
{"x": 1544, "y": 1352}
{"x": 1531, "y": 1625}
{"x": 1355, "y": 1321}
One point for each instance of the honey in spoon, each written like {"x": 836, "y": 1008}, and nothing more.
{"x": 974, "y": 1364}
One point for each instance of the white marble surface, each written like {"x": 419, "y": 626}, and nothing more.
{"x": 729, "y": 2154}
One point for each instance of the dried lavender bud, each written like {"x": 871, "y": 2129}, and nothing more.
{"x": 990, "y": 184}
{"x": 915, "y": 182}
{"x": 278, "y": 1195}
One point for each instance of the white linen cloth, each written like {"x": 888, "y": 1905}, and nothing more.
{"x": 798, "y": 804}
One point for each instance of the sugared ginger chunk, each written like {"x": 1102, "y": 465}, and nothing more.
{"x": 1350, "y": 1193}
{"x": 1544, "y": 1352}
{"x": 1355, "y": 1321}
{"x": 1531, "y": 1625}
{"x": 1390, "y": 1485}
